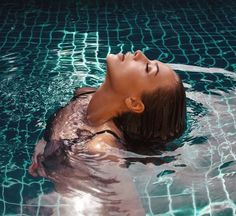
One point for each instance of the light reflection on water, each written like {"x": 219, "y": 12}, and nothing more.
{"x": 50, "y": 47}
{"x": 198, "y": 167}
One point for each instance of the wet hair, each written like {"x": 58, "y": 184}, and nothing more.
{"x": 163, "y": 119}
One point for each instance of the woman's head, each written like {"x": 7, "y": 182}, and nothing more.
{"x": 153, "y": 95}
{"x": 133, "y": 74}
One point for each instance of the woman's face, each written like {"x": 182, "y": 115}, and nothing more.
{"x": 134, "y": 74}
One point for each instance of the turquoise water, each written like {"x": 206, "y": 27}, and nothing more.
{"x": 48, "y": 48}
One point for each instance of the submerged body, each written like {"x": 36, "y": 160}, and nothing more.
{"x": 69, "y": 126}
{"x": 82, "y": 159}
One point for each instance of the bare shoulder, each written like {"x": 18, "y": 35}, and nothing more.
{"x": 102, "y": 143}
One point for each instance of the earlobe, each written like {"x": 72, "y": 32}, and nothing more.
{"x": 134, "y": 104}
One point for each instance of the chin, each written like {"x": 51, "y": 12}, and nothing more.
{"x": 110, "y": 57}
{"x": 111, "y": 63}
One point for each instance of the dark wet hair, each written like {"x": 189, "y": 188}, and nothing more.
{"x": 163, "y": 119}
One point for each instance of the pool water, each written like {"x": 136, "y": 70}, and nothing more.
{"x": 50, "y": 47}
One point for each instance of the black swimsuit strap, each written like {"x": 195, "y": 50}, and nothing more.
{"x": 56, "y": 145}
{"x": 88, "y": 92}
{"x": 84, "y": 93}
{"x": 111, "y": 132}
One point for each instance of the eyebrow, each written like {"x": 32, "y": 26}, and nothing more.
{"x": 157, "y": 69}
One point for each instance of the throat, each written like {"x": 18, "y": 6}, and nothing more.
{"x": 96, "y": 117}
{"x": 101, "y": 108}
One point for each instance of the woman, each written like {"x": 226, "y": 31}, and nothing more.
{"x": 145, "y": 98}
{"x": 141, "y": 100}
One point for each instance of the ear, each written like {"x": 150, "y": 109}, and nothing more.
{"x": 134, "y": 104}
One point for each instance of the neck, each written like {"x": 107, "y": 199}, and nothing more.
{"x": 103, "y": 106}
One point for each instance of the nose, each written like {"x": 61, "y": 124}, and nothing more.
{"x": 139, "y": 56}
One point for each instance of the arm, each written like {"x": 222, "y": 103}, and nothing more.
{"x": 36, "y": 168}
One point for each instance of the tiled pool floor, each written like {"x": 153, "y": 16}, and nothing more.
{"x": 50, "y": 47}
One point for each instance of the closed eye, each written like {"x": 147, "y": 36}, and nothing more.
{"x": 157, "y": 69}
{"x": 147, "y": 68}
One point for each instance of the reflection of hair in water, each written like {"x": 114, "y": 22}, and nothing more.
{"x": 162, "y": 120}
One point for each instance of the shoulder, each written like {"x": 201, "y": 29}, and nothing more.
{"x": 103, "y": 143}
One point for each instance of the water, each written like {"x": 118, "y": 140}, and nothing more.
{"x": 48, "y": 48}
